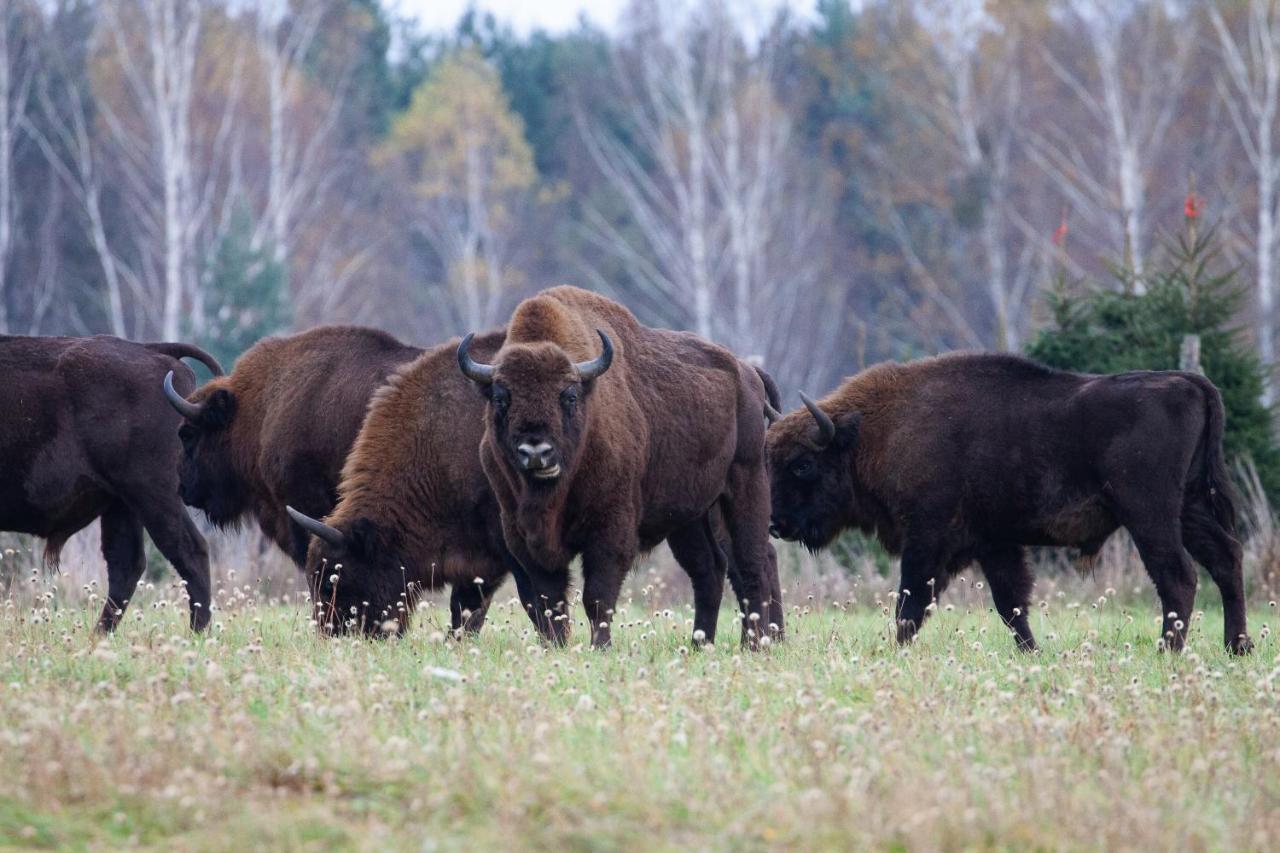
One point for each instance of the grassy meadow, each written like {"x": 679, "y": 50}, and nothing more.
{"x": 260, "y": 733}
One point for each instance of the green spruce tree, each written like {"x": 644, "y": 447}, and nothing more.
{"x": 246, "y": 295}
{"x": 1188, "y": 291}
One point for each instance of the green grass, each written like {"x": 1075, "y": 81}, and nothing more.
{"x": 263, "y": 734}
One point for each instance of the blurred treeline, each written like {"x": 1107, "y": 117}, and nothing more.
{"x": 873, "y": 180}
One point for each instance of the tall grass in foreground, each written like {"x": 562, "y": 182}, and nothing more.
{"x": 262, "y": 733}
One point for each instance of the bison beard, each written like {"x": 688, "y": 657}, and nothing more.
{"x": 85, "y": 433}
{"x": 603, "y": 438}
{"x": 971, "y": 457}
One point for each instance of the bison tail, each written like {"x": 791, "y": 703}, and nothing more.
{"x": 770, "y": 388}
{"x": 188, "y": 351}
{"x": 1213, "y": 477}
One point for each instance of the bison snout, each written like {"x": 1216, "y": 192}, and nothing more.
{"x": 538, "y": 459}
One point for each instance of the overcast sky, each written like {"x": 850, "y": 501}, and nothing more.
{"x": 561, "y": 15}
{"x": 523, "y": 15}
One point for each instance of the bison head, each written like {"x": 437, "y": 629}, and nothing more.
{"x": 207, "y": 478}
{"x": 812, "y": 475}
{"x": 537, "y": 404}
{"x": 357, "y": 583}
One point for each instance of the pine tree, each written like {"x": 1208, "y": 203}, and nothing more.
{"x": 1188, "y": 292}
{"x": 246, "y": 295}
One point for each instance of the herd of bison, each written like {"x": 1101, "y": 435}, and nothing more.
{"x": 384, "y": 470}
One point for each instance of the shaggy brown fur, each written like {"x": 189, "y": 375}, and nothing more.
{"x": 85, "y": 433}
{"x": 971, "y": 457}
{"x": 276, "y": 431}
{"x": 672, "y": 431}
{"x": 414, "y": 508}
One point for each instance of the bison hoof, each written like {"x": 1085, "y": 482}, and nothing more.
{"x": 1240, "y": 645}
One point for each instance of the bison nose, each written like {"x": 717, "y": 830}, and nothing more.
{"x": 536, "y": 457}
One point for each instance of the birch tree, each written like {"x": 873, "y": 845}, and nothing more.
{"x": 1129, "y": 83}
{"x": 472, "y": 172}
{"x": 972, "y": 102}
{"x": 721, "y": 225}
{"x": 298, "y": 171}
{"x": 155, "y": 46}
{"x": 1249, "y": 86}
{"x": 15, "y": 82}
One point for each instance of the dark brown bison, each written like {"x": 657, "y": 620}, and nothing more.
{"x": 971, "y": 457}
{"x": 414, "y": 510}
{"x": 276, "y": 431}
{"x": 84, "y": 434}
{"x": 604, "y": 437}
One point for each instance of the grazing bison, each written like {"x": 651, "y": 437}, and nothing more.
{"x": 414, "y": 510}
{"x": 85, "y": 434}
{"x": 606, "y": 454}
{"x": 276, "y": 431}
{"x": 971, "y": 457}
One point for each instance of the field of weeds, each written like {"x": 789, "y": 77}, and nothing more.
{"x": 260, "y": 733}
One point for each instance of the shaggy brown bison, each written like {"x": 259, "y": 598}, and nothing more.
{"x": 971, "y": 457}
{"x": 417, "y": 512}
{"x": 276, "y": 431}
{"x": 85, "y": 434}
{"x": 604, "y": 437}
{"x": 414, "y": 510}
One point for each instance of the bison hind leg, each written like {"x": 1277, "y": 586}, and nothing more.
{"x": 698, "y": 552}
{"x": 122, "y": 548}
{"x": 469, "y": 605}
{"x": 1220, "y": 553}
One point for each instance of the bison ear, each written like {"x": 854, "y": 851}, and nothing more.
{"x": 847, "y": 427}
{"x": 362, "y": 538}
{"x": 219, "y": 410}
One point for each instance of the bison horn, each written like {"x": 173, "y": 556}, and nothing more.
{"x": 185, "y": 407}
{"x": 771, "y": 414}
{"x": 332, "y": 535}
{"x": 826, "y": 427}
{"x": 472, "y": 369}
{"x": 588, "y": 370}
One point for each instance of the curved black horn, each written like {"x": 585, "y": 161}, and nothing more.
{"x": 332, "y": 535}
{"x": 826, "y": 427}
{"x": 472, "y": 369}
{"x": 771, "y": 414}
{"x": 588, "y": 370}
{"x": 185, "y": 407}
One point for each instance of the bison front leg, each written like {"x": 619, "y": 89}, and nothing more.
{"x": 604, "y": 565}
{"x": 923, "y": 578}
{"x": 122, "y": 548}
{"x": 1011, "y": 583}
{"x": 545, "y": 599}
{"x": 173, "y": 532}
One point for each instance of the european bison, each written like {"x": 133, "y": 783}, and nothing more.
{"x": 276, "y": 431}
{"x": 85, "y": 434}
{"x": 414, "y": 509}
{"x": 604, "y": 437}
{"x": 971, "y": 457}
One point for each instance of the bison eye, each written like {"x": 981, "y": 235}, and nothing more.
{"x": 501, "y": 398}
{"x": 803, "y": 468}
{"x": 569, "y": 399}
{"x": 187, "y": 435}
